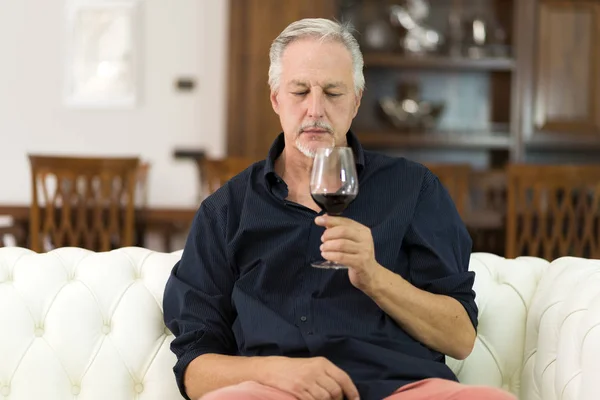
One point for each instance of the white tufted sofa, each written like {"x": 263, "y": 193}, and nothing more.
{"x": 81, "y": 325}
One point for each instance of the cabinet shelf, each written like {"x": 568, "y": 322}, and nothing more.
{"x": 490, "y": 140}
{"x": 387, "y": 60}
{"x": 563, "y": 142}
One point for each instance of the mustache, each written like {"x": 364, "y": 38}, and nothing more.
{"x": 317, "y": 124}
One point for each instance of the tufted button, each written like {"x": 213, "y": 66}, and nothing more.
{"x": 5, "y": 391}
{"x": 139, "y": 388}
{"x": 75, "y": 390}
{"x": 39, "y": 331}
{"x": 106, "y": 329}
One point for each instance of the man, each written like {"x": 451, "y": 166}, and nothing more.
{"x": 253, "y": 319}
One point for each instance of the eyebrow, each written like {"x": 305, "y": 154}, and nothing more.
{"x": 330, "y": 85}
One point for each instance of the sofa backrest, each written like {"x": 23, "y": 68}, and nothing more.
{"x": 74, "y": 322}
{"x": 504, "y": 290}
{"x": 562, "y": 347}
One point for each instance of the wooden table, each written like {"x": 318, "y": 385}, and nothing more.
{"x": 165, "y": 221}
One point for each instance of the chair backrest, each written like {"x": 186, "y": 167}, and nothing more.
{"x": 553, "y": 211}
{"x": 82, "y": 202}
{"x": 215, "y": 172}
{"x": 455, "y": 178}
{"x": 141, "y": 185}
{"x": 486, "y": 214}
{"x": 10, "y": 235}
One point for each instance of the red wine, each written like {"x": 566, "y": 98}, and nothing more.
{"x": 333, "y": 204}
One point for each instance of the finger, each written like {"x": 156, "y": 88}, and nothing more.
{"x": 330, "y": 221}
{"x": 318, "y": 393}
{"x": 343, "y": 232}
{"x": 332, "y": 387}
{"x": 341, "y": 245}
{"x": 300, "y": 394}
{"x": 344, "y": 381}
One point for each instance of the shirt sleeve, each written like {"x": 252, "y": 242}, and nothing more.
{"x": 197, "y": 298}
{"x": 438, "y": 247}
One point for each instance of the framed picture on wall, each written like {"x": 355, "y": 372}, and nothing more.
{"x": 102, "y": 55}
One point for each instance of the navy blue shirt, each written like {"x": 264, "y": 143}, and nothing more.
{"x": 244, "y": 285}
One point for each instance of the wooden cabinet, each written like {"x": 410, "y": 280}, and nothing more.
{"x": 254, "y": 24}
{"x": 539, "y": 102}
{"x": 567, "y": 68}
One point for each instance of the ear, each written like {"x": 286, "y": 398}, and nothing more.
{"x": 357, "y": 100}
{"x": 275, "y": 102}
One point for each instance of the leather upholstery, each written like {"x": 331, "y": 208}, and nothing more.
{"x": 89, "y": 324}
{"x": 562, "y": 347}
{"x": 504, "y": 291}
{"x": 78, "y": 324}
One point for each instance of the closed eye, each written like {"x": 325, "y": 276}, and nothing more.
{"x": 299, "y": 93}
{"x": 333, "y": 94}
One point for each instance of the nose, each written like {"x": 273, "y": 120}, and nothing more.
{"x": 316, "y": 107}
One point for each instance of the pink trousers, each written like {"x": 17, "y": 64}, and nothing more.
{"x": 428, "y": 389}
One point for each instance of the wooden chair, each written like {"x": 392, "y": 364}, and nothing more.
{"x": 553, "y": 211}
{"x": 141, "y": 185}
{"x": 12, "y": 232}
{"x": 455, "y": 178}
{"x": 83, "y": 202}
{"x": 486, "y": 214}
{"x": 215, "y": 172}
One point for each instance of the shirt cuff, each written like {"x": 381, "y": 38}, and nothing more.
{"x": 182, "y": 364}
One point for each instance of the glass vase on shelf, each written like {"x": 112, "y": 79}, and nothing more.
{"x": 377, "y": 32}
{"x": 409, "y": 18}
{"x": 484, "y": 36}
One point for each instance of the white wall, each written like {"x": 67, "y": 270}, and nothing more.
{"x": 180, "y": 37}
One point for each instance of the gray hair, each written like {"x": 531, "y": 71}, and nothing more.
{"x": 321, "y": 29}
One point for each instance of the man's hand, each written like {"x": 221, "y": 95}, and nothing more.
{"x": 309, "y": 378}
{"x": 438, "y": 321}
{"x": 350, "y": 243}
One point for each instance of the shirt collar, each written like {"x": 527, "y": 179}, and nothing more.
{"x": 279, "y": 144}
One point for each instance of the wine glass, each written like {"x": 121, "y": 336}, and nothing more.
{"x": 333, "y": 185}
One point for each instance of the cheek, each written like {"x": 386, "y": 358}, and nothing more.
{"x": 291, "y": 116}
{"x": 293, "y": 111}
{"x": 343, "y": 110}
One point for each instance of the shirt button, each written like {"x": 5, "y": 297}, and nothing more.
{"x": 303, "y": 318}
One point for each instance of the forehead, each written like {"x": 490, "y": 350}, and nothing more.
{"x": 312, "y": 59}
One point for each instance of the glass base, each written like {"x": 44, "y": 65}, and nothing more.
{"x": 328, "y": 265}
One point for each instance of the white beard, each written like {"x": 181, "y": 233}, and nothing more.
{"x": 308, "y": 151}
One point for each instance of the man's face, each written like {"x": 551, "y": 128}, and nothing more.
{"x": 316, "y": 101}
